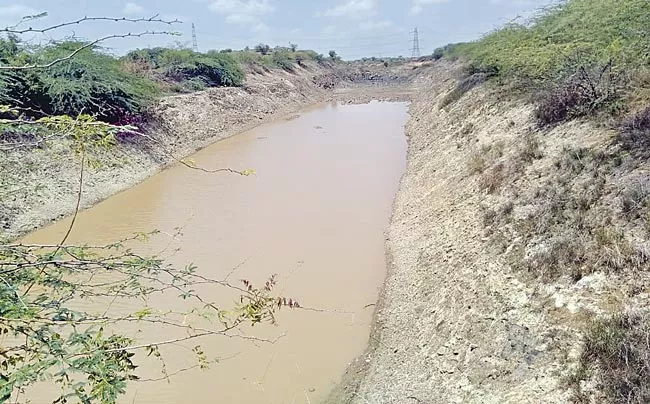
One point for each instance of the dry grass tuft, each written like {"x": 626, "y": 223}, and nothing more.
{"x": 582, "y": 93}
{"x": 492, "y": 178}
{"x": 617, "y": 356}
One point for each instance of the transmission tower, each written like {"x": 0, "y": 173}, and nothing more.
{"x": 416, "y": 43}
{"x": 195, "y": 44}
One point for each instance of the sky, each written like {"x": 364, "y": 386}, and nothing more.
{"x": 353, "y": 28}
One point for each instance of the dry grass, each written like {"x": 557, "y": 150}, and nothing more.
{"x": 573, "y": 225}
{"x": 497, "y": 168}
{"x": 583, "y": 92}
{"x": 634, "y": 198}
{"x": 463, "y": 87}
{"x": 530, "y": 149}
{"x": 617, "y": 356}
{"x": 634, "y": 136}
{"x": 484, "y": 157}
{"x": 492, "y": 179}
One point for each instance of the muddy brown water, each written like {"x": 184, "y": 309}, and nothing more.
{"x": 315, "y": 214}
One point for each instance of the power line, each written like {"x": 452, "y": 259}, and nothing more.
{"x": 195, "y": 43}
{"x": 416, "y": 43}
{"x": 405, "y": 43}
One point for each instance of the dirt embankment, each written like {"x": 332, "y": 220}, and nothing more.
{"x": 42, "y": 182}
{"x": 462, "y": 319}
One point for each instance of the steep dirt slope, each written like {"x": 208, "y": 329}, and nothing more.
{"x": 461, "y": 319}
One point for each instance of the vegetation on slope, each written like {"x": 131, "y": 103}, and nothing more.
{"x": 116, "y": 89}
{"x": 590, "y": 210}
{"x": 581, "y": 56}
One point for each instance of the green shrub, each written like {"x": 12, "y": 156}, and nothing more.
{"x": 195, "y": 84}
{"x": 596, "y": 30}
{"x": 9, "y": 48}
{"x": 248, "y": 58}
{"x": 91, "y": 82}
{"x": 556, "y": 55}
{"x": 180, "y": 65}
{"x": 218, "y": 69}
{"x": 284, "y": 60}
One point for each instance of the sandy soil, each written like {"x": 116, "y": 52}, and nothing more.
{"x": 455, "y": 324}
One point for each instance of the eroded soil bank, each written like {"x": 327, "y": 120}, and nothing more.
{"x": 454, "y": 325}
{"x": 462, "y": 319}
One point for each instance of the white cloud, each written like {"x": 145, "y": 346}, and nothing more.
{"x": 243, "y": 12}
{"x": 376, "y": 25}
{"x": 16, "y": 11}
{"x": 260, "y": 27}
{"x": 241, "y": 7}
{"x": 353, "y": 8}
{"x": 522, "y": 3}
{"x": 330, "y": 29}
{"x": 132, "y": 9}
{"x": 418, "y": 5}
{"x": 241, "y": 19}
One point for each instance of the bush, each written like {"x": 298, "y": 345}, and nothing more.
{"x": 283, "y": 59}
{"x": 182, "y": 65}
{"x": 263, "y": 49}
{"x": 582, "y": 93}
{"x": 92, "y": 83}
{"x": 438, "y": 54}
{"x": 218, "y": 69}
{"x": 617, "y": 355}
{"x": 534, "y": 55}
{"x": 195, "y": 84}
{"x": 600, "y": 30}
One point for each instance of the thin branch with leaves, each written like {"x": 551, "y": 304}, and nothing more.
{"x": 48, "y": 329}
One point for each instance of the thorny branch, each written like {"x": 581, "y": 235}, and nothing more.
{"x": 13, "y": 30}
{"x": 83, "y": 47}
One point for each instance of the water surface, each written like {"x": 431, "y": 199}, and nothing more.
{"x": 315, "y": 214}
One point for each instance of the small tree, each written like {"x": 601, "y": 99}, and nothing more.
{"x": 333, "y": 55}
{"x": 438, "y": 53}
{"x": 262, "y": 48}
{"x": 283, "y": 59}
{"x": 293, "y": 47}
